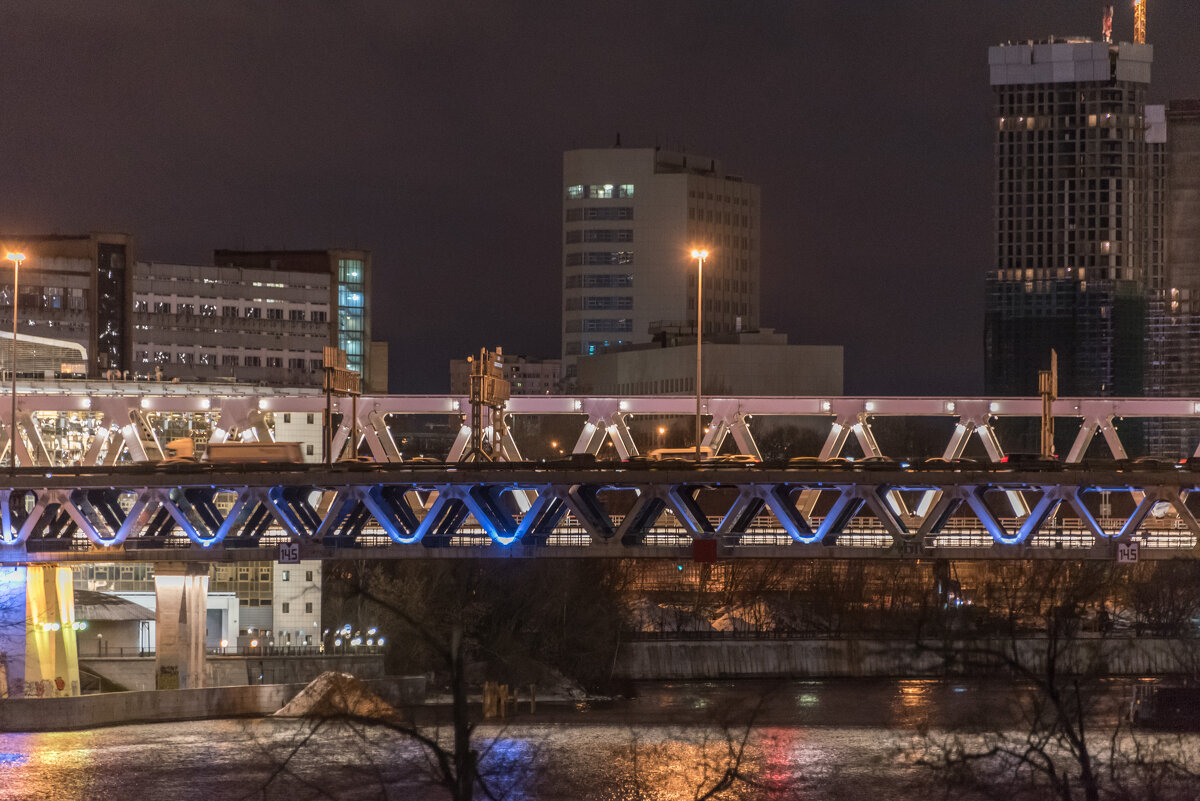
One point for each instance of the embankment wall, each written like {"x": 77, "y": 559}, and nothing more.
{"x": 106, "y": 709}
{"x": 137, "y": 672}
{"x": 866, "y": 658}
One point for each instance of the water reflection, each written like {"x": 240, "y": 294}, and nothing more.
{"x": 810, "y": 740}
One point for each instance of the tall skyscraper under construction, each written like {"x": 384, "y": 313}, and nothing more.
{"x": 1079, "y": 193}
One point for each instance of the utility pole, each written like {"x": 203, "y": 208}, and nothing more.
{"x": 489, "y": 390}
{"x": 343, "y": 383}
{"x": 1048, "y": 387}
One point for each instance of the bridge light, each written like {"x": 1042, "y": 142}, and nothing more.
{"x": 145, "y": 403}
{"x": 826, "y": 406}
{"x": 949, "y": 406}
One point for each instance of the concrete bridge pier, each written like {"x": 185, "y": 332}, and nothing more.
{"x": 181, "y": 598}
{"x": 38, "y": 654}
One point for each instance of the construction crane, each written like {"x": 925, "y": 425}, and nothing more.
{"x": 1139, "y": 21}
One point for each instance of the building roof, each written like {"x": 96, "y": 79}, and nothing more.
{"x": 93, "y": 606}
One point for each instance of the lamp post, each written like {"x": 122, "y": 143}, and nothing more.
{"x": 16, "y": 259}
{"x": 699, "y": 256}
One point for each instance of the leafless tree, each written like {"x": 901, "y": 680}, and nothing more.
{"x": 1065, "y": 741}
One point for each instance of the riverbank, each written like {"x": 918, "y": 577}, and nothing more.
{"x": 152, "y": 706}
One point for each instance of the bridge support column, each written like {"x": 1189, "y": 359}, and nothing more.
{"x": 181, "y": 600}
{"x": 38, "y": 654}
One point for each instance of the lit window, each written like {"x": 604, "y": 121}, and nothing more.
{"x": 625, "y": 190}
{"x": 575, "y": 192}
{"x": 600, "y": 191}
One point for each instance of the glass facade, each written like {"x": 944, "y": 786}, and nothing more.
{"x": 351, "y": 311}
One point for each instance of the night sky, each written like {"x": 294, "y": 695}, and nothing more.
{"x": 431, "y": 133}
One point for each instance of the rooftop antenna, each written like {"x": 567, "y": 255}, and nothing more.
{"x": 1139, "y": 21}
{"x": 1106, "y": 26}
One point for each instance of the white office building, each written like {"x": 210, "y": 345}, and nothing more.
{"x": 631, "y": 217}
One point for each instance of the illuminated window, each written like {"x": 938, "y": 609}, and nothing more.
{"x": 625, "y": 190}
{"x": 575, "y": 192}
{"x": 600, "y": 191}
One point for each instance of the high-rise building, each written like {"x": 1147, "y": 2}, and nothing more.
{"x": 631, "y": 217}
{"x": 1077, "y": 262}
{"x": 1175, "y": 315}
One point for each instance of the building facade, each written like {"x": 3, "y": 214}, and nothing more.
{"x": 631, "y": 217}
{"x": 74, "y": 288}
{"x": 207, "y": 323}
{"x": 1078, "y": 259}
{"x": 526, "y": 375}
{"x": 755, "y": 363}
{"x": 1175, "y": 315}
{"x": 349, "y": 290}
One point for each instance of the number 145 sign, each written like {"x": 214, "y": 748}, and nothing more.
{"x": 289, "y": 553}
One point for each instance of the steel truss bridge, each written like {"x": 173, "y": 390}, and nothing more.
{"x": 116, "y": 506}
{"x": 124, "y": 418}
{"x": 369, "y": 511}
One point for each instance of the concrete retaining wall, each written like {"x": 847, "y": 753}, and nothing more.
{"x": 107, "y": 709}
{"x": 137, "y": 672}
{"x": 888, "y": 658}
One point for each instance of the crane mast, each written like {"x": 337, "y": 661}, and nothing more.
{"x": 1139, "y": 21}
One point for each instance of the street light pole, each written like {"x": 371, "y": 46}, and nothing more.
{"x": 699, "y": 256}
{"x": 16, "y": 259}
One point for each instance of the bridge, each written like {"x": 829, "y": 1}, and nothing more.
{"x": 121, "y": 421}
{"x": 118, "y": 503}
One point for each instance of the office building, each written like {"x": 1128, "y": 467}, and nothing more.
{"x": 208, "y": 323}
{"x": 349, "y": 291}
{"x": 754, "y": 363}
{"x": 89, "y": 310}
{"x": 631, "y": 217}
{"x": 1079, "y": 180}
{"x": 76, "y": 296}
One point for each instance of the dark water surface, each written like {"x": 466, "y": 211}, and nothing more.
{"x": 810, "y": 740}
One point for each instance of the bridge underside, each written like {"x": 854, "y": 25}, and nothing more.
{"x": 521, "y": 512}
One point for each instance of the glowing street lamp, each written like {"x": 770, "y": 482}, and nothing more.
{"x": 699, "y": 256}
{"x": 16, "y": 259}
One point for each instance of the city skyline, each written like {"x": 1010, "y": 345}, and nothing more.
{"x": 434, "y": 139}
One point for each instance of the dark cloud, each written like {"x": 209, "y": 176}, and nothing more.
{"x": 432, "y": 134}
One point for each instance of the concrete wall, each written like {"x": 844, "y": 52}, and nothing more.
{"x": 883, "y": 658}
{"x": 107, "y": 709}
{"x": 137, "y": 673}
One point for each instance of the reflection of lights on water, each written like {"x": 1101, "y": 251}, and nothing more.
{"x": 13, "y": 759}
{"x": 807, "y": 699}
{"x": 960, "y": 689}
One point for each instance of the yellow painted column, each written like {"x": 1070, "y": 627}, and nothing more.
{"x": 51, "y": 654}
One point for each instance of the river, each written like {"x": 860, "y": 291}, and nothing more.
{"x": 810, "y": 740}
